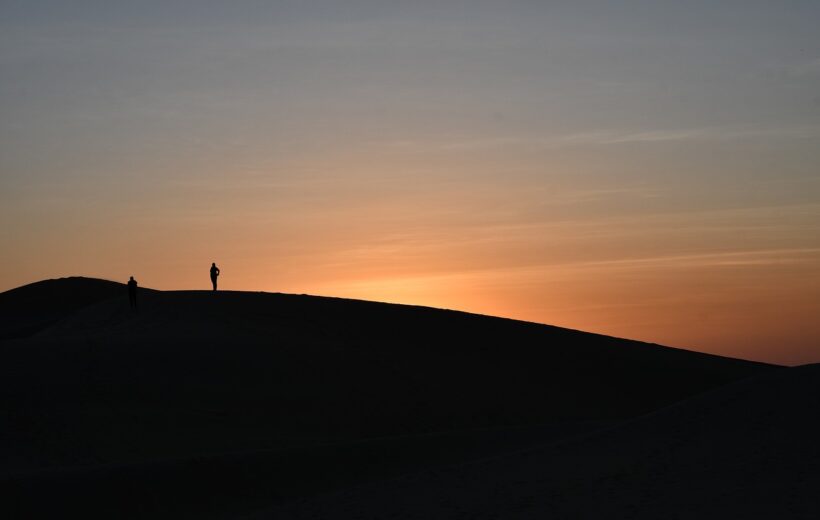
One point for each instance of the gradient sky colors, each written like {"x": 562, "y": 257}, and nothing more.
{"x": 648, "y": 170}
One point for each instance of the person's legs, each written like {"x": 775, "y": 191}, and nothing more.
{"x": 213, "y": 281}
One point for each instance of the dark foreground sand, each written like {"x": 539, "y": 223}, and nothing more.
{"x": 233, "y": 404}
{"x": 749, "y": 450}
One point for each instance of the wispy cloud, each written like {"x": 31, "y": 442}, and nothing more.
{"x": 761, "y": 257}
{"x": 705, "y": 134}
{"x": 605, "y": 137}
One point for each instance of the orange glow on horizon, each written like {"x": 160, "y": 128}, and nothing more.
{"x": 680, "y": 278}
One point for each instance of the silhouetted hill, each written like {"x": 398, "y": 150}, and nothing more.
{"x": 293, "y": 395}
{"x": 30, "y": 308}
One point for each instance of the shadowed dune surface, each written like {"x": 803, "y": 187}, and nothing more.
{"x": 748, "y": 450}
{"x": 219, "y": 404}
{"x": 31, "y": 308}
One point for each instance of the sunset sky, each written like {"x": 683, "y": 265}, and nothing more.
{"x": 649, "y": 170}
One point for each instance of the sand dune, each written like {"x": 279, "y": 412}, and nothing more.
{"x": 222, "y": 404}
{"x": 749, "y": 450}
{"x": 34, "y": 307}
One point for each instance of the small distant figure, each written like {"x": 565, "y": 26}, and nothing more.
{"x": 132, "y": 292}
{"x": 214, "y": 274}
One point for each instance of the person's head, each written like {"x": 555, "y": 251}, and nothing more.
{"x": 213, "y": 264}
{"x": 131, "y": 279}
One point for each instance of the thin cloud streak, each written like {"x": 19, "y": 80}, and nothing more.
{"x": 692, "y": 134}
{"x": 610, "y": 137}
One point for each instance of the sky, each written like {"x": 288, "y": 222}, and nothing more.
{"x": 642, "y": 169}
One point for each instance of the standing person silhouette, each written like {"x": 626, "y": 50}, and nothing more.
{"x": 214, "y": 274}
{"x": 132, "y": 292}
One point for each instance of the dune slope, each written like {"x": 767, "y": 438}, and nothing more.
{"x": 238, "y": 392}
{"x": 748, "y": 450}
{"x": 34, "y": 307}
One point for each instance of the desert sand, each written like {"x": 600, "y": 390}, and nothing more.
{"x": 265, "y": 405}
